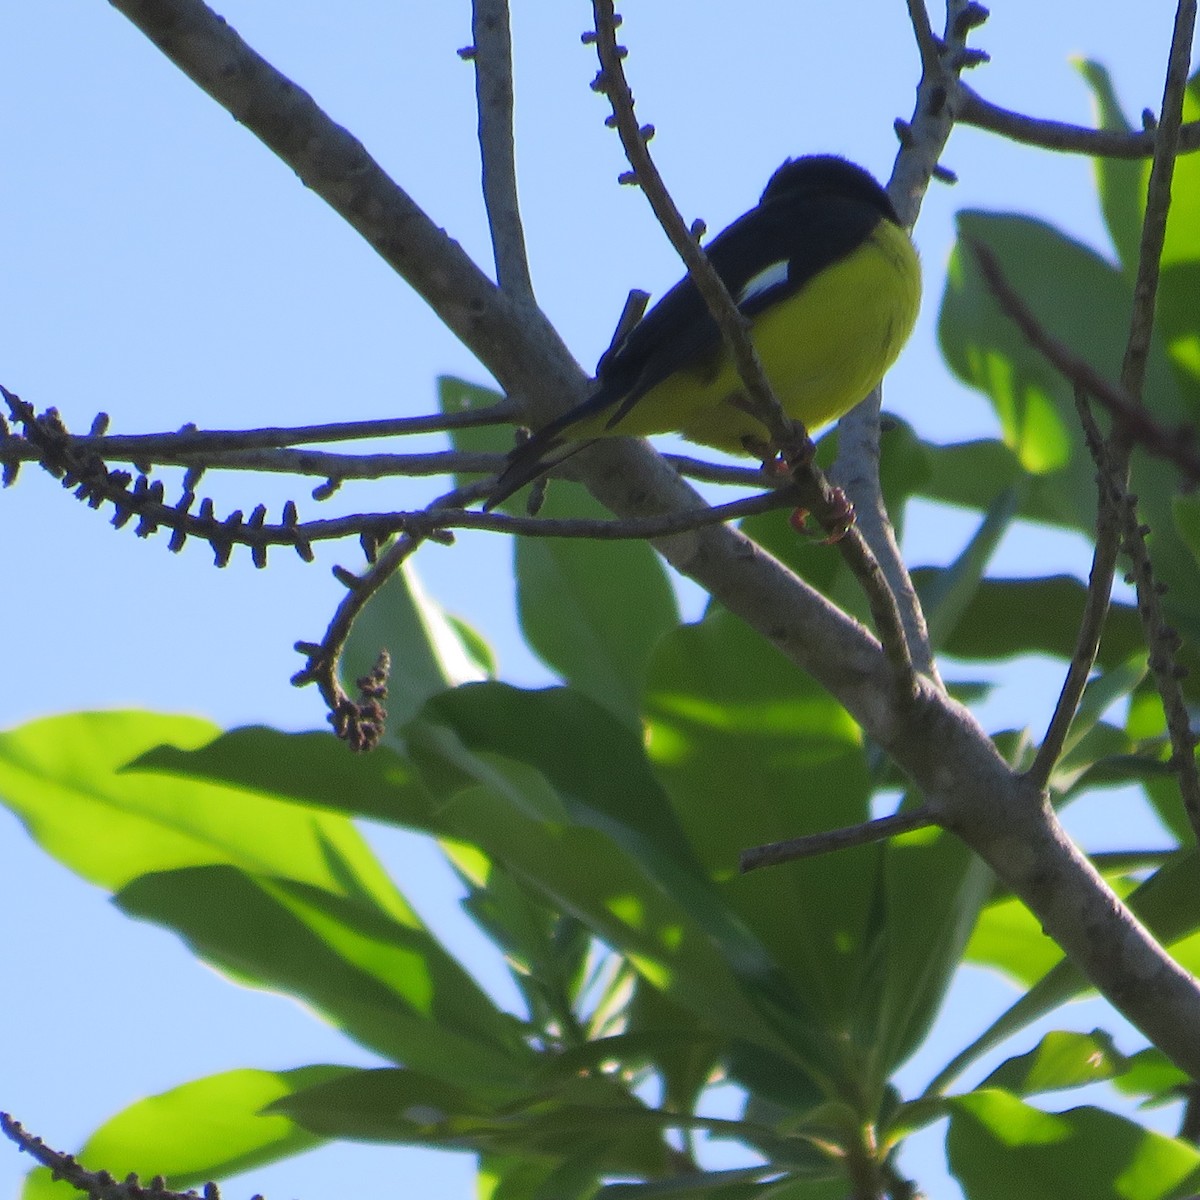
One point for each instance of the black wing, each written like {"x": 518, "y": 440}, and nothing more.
{"x": 807, "y": 231}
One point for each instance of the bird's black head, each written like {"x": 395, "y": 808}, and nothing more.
{"x": 826, "y": 175}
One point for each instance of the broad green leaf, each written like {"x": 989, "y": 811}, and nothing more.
{"x": 1150, "y": 1073}
{"x": 310, "y": 769}
{"x": 600, "y": 773}
{"x": 593, "y": 610}
{"x": 1062, "y": 1059}
{"x": 1008, "y": 617}
{"x": 387, "y": 984}
{"x": 63, "y": 778}
{"x": 200, "y": 1131}
{"x": 428, "y": 650}
{"x": 1000, "y": 1147}
{"x": 1120, "y": 182}
{"x": 546, "y": 951}
{"x": 590, "y": 1116}
{"x": 934, "y": 889}
{"x": 751, "y": 751}
{"x": 1187, "y": 521}
{"x": 458, "y": 395}
{"x": 951, "y": 590}
{"x": 1078, "y": 298}
{"x": 1010, "y": 938}
{"x": 518, "y": 820}
{"x": 1085, "y": 303}
{"x": 518, "y": 1177}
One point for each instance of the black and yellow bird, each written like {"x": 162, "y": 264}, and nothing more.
{"x": 831, "y": 284}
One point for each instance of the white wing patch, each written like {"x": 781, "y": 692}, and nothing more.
{"x": 769, "y": 277}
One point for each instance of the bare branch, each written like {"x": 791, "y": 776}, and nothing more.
{"x": 335, "y": 165}
{"x": 98, "y": 1185}
{"x": 492, "y": 53}
{"x": 1096, "y": 602}
{"x": 857, "y": 467}
{"x": 1158, "y": 202}
{"x": 973, "y": 109}
{"x": 817, "y": 844}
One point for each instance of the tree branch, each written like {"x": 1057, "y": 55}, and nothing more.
{"x": 857, "y": 466}
{"x": 1096, "y": 601}
{"x": 492, "y": 54}
{"x": 973, "y": 109}
{"x": 816, "y": 844}
{"x": 98, "y": 1185}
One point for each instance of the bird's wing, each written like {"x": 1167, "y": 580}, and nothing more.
{"x": 762, "y": 258}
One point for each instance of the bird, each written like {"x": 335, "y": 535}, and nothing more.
{"x": 831, "y": 285}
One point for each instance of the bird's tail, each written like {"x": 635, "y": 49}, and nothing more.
{"x": 531, "y": 460}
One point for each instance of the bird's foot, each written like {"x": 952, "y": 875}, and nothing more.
{"x": 837, "y": 520}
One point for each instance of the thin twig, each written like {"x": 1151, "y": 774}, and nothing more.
{"x": 1177, "y": 446}
{"x": 199, "y": 441}
{"x": 709, "y": 472}
{"x": 492, "y": 53}
{"x": 1162, "y": 640}
{"x": 973, "y": 109}
{"x": 816, "y": 844}
{"x": 316, "y": 463}
{"x": 99, "y": 1185}
{"x": 856, "y": 470}
{"x": 1096, "y": 601}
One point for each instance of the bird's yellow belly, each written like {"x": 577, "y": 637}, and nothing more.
{"x": 823, "y": 349}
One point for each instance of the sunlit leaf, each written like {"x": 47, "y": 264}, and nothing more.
{"x": 1000, "y": 1147}
{"x": 199, "y": 1131}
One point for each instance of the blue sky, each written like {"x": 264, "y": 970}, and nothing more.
{"x": 161, "y": 265}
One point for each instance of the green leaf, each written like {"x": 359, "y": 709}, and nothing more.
{"x": 592, "y": 1116}
{"x": 310, "y": 769}
{"x": 948, "y": 595}
{"x": 428, "y": 650}
{"x": 518, "y": 1177}
{"x": 600, "y": 773}
{"x": 1008, "y": 617}
{"x": 203, "y": 1130}
{"x": 458, "y": 395}
{"x": 751, "y": 751}
{"x": 934, "y": 889}
{"x": 1120, "y": 182}
{"x": 1079, "y": 299}
{"x": 1000, "y": 1147}
{"x": 62, "y": 777}
{"x": 1186, "y": 509}
{"x": 387, "y": 984}
{"x": 593, "y": 610}
{"x": 1062, "y": 1059}
{"x": 1150, "y": 1073}
{"x": 521, "y": 821}
{"x": 1009, "y": 937}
